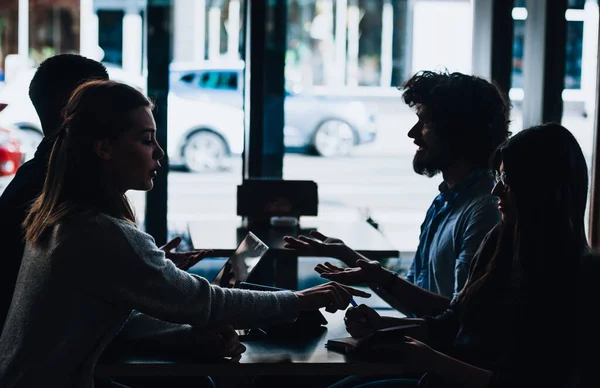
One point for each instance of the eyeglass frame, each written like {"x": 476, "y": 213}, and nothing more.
{"x": 500, "y": 176}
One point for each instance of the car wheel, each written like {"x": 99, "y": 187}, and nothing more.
{"x": 334, "y": 138}
{"x": 204, "y": 151}
{"x": 30, "y": 139}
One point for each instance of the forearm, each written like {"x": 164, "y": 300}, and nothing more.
{"x": 467, "y": 375}
{"x": 407, "y": 297}
{"x": 399, "y": 293}
{"x": 419, "y": 333}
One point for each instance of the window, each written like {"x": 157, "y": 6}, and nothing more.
{"x": 574, "y": 55}
{"x": 187, "y": 78}
{"x": 218, "y": 80}
{"x": 110, "y": 35}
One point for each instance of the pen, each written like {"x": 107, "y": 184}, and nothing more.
{"x": 353, "y": 302}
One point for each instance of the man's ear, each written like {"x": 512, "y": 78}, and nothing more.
{"x": 102, "y": 149}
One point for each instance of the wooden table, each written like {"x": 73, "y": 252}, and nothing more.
{"x": 224, "y": 236}
{"x": 291, "y": 355}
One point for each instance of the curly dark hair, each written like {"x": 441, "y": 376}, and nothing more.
{"x": 470, "y": 114}
{"x": 55, "y": 80}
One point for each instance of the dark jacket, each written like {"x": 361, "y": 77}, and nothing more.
{"x": 14, "y": 205}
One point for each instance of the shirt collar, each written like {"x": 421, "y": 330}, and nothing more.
{"x": 469, "y": 181}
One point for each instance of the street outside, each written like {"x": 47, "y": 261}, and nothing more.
{"x": 378, "y": 177}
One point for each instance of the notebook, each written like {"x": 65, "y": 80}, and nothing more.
{"x": 382, "y": 336}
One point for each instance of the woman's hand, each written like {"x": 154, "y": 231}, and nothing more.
{"x": 320, "y": 245}
{"x": 365, "y": 272}
{"x": 221, "y": 341}
{"x": 362, "y": 320}
{"x": 333, "y": 296}
{"x": 183, "y": 260}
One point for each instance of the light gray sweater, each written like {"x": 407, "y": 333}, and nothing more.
{"x": 75, "y": 292}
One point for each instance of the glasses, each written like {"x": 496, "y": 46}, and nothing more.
{"x": 500, "y": 177}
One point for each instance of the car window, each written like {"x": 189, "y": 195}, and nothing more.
{"x": 187, "y": 78}
{"x": 222, "y": 80}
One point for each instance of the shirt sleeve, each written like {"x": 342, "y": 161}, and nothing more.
{"x": 410, "y": 276}
{"x": 127, "y": 269}
{"x": 484, "y": 216}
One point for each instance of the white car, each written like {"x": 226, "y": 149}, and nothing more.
{"x": 201, "y": 134}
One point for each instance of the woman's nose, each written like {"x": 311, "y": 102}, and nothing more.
{"x": 159, "y": 153}
{"x": 498, "y": 189}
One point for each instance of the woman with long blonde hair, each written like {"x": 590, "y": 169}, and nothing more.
{"x": 86, "y": 264}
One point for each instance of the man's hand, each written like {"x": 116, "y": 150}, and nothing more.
{"x": 362, "y": 320}
{"x": 183, "y": 260}
{"x": 365, "y": 272}
{"x": 320, "y": 245}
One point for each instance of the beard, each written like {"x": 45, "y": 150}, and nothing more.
{"x": 431, "y": 161}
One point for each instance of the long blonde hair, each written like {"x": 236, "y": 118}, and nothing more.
{"x": 76, "y": 180}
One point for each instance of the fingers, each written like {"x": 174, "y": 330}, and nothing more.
{"x": 321, "y": 269}
{"x": 361, "y": 314}
{"x": 230, "y": 345}
{"x": 171, "y": 244}
{"x": 358, "y": 313}
{"x": 309, "y": 240}
{"x": 203, "y": 253}
{"x": 318, "y": 235}
{"x": 191, "y": 261}
{"x": 229, "y": 334}
{"x": 361, "y": 321}
{"x": 355, "y": 292}
{"x": 342, "y": 298}
{"x": 294, "y": 243}
{"x": 332, "y": 267}
{"x": 328, "y": 268}
{"x": 410, "y": 340}
{"x": 234, "y": 351}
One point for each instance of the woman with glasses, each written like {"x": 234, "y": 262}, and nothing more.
{"x": 517, "y": 322}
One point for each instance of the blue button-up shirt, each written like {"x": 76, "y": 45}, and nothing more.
{"x": 455, "y": 224}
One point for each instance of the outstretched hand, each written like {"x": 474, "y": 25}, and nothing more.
{"x": 317, "y": 244}
{"x": 183, "y": 260}
{"x": 365, "y": 272}
{"x": 333, "y": 296}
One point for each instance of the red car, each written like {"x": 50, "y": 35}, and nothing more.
{"x": 11, "y": 156}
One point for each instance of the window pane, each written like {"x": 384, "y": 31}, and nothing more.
{"x": 206, "y": 124}
{"x": 110, "y": 35}
{"x": 345, "y": 121}
{"x": 580, "y": 72}
{"x": 579, "y": 96}
{"x": 574, "y": 55}
{"x": 52, "y": 27}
